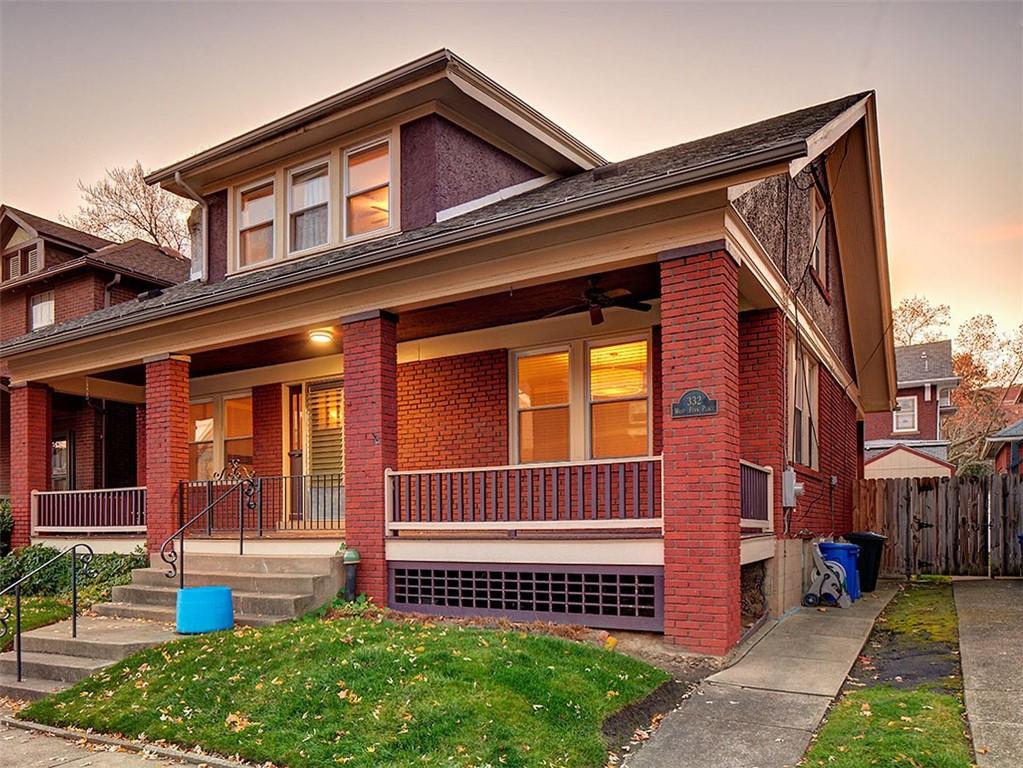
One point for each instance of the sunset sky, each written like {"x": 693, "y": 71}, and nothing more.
{"x": 87, "y": 86}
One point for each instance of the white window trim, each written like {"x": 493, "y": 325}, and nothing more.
{"x": 579, "y": 426}
{"x": 219, "y": 421}
{"x": 811, "y": 438}
{"x": 335, "y": 151}
{"x": 391, "y": 159}
{"x": 898, "y": 412}
{"x": 322, "y": 161}
{"x": 44, "y": 297}
{"x": 236, "y": 223}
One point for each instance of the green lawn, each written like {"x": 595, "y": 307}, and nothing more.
{"x": 365, "y": 692}
{"x": 35, "y": 612}
{"x": 889, "y": 723}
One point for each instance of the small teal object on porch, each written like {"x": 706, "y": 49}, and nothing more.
{"x": 846, "y": 555}
{"x": 204, "y": 609}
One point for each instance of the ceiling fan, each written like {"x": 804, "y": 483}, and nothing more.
{"x": 596, "y": 300}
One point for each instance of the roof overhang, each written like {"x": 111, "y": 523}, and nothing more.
{"x": 80, "y": 263}
{"x": 7, "y": 213}
{"x": 850, "y": 146}
{"x": 440, "y": 78}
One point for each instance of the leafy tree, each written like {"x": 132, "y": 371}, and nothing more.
{"x": 121, "y": 206}
{"x": 917, "y": 321}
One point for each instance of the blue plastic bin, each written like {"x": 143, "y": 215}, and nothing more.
{"x": 847, "y": 555}
{"x": 204, "y": 609}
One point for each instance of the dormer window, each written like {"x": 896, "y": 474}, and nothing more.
{"x": 14, "y": 266}
{"x": 367, "y": 189}
{"x": 256, "y": 224}
{"x": 33, "y": 259}
{"x": 308, "y": 207}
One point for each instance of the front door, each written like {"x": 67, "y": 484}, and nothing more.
{"x": 61, "y": 464}
{"x": 316, "y": 453}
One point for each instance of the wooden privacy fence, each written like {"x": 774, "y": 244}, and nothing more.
{"x": 945, "y": 525}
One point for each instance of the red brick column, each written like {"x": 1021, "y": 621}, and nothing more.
{"x": 30, "y": 454}
{"x": 699, "y": 350}
{"x": 267, "y": 437}
{"x": 762, "y": 394}
{"x": 140, "y": 445}
{"x": 371, "y": 439}
{"x": 167, "y": 425}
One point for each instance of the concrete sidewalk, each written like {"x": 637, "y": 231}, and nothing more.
{"x": 762, "y": 711}
{"x": 26, "y": 749}
{"x": 991, "y": 651}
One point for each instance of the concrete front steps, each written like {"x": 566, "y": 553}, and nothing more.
{"x": 267, "y": 589}
{"x": 52, "y": 660}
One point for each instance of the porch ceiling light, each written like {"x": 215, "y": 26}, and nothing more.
{"x": 321, "y": 335}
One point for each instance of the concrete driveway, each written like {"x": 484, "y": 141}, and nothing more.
{"x": 991, "y": 650}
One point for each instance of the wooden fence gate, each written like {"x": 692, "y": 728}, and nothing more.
{"x": 946, "y": 525}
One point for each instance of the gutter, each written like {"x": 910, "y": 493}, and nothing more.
{"x": 549, "y": 212}
{"x": 203, "y": 226}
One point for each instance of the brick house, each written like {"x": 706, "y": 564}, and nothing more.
{"x": 519, "y": 379}
{"x": 51, "y": 273}
{"x": 1005, "y": 449}
{"x": 907, "y": 442}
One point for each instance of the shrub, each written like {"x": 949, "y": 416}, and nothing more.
{"x": 6, "y": 525}
{"x": 107, "y": 570}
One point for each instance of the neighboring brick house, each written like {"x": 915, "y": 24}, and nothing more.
{"x": 519, "y": 379}
{"x": 907, "y": 442}
{"x": 51, "y": 273}
{"x": 1005, "y": 448}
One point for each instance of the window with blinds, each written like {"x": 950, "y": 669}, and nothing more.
{"x": 325, "y": 409}
{"x": 33, "y": 260}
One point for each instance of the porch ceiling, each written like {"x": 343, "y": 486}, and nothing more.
{"x": 505, "y": 308}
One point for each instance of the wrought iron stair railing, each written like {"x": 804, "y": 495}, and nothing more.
{"x": 84, "y": 559}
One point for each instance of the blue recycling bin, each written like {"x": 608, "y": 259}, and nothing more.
{"x": 847, "y": 555}
{"x": 204, "y": 609}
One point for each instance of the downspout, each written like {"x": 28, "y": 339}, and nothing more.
{"x": 108, "y": 286}
{"x": 204, "y": 225}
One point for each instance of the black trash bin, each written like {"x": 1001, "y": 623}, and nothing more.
{"x": 871, "y": 545}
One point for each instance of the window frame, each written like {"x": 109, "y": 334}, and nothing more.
{"x": 580, "y": 435}
{"x": 820, "y": 256}
{"x": 32, "y": 309}
{"x": 899, "y": 412}
{"x": 346, "y": 192}
{"x": 323, "y": 161}
{"x": 220, "y": 438}
{"x": 238, "y": 230}
{"x": 803, "y": 365}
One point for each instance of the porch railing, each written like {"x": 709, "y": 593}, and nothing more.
{"x": 104, "y": 510}
{"x": 293, "y": 503}
{"x": 756, "y": 495}
{"x": 592, "y": 494}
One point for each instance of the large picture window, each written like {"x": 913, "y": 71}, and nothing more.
{"x": 586, "y": 400}
{"x": 220, "y": 432}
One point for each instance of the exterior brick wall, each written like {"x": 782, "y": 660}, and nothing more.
{"x": 453, "y": 411}
{"x": 267, "y": 437}
{"x": 879, "y": 425}
{"x": 5, "y": 443}
{"x": 822, "y": 510}
{"x": 30, "y": 454}
{"x": 762, "y": 395}
{"x": 371, "y": 440}
{"x": 140, "y": 445}
{"x": 700, "y": 340}
{"x": 167, "y": 424}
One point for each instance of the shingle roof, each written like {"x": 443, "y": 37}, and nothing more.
{"x": 778, "y": 138}
{"x": 924, "y": 362}
{"x": 144, "y": 258}
{"x": 1011, "y": 432}
{"x": 57, "y": 231}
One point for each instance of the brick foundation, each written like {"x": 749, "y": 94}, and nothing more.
{"x": 166, "y": 428}
{"x": 371, "y": 440}
{"x": 30, "y": 454}
{"x": 700, "y": 340}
